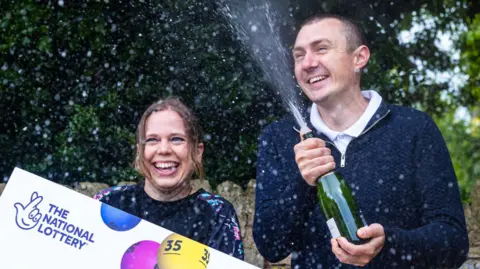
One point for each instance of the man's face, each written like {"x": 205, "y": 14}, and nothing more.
{"x": 323, "y": 65}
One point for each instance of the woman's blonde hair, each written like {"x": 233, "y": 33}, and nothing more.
{"x": 192, "y": 128}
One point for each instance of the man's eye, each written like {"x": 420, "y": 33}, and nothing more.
{"x": 321, "y": 49}
{"x": 298, "y": 56}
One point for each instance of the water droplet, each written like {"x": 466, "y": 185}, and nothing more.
{"x": 254, "y": 28}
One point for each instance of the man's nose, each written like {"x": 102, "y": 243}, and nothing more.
{"x": 310, "y": 62}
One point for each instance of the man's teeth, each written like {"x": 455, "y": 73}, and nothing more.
{"x": 319, "y": 78}
{"x": 165, "y": 165}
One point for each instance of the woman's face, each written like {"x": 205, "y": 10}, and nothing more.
{"x": 166, "y": 151}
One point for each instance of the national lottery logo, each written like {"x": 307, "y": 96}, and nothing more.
{"x": 53, "y": 224}
{"x": 28, "y": 216}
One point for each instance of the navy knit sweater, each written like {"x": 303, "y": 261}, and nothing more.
{"x": 402, "y": 177}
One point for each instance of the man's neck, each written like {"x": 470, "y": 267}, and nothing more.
{"x": 341, "y": 112}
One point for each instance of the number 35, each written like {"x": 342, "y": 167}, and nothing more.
{"x": 176, "y": 246}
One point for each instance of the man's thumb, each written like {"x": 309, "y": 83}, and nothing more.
{"x": 373, "y": 230}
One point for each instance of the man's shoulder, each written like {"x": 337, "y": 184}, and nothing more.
{"x": 282, "y": 125}
{"x": 114, "y": 192}
{"x": 409, "y": 115}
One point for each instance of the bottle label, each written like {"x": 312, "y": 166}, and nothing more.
{"x": 332, "y": 226}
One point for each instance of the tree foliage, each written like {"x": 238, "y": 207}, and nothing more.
{"x": 75, "y": 77}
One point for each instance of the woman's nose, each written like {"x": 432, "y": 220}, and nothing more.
{"x": 164, "y": 148}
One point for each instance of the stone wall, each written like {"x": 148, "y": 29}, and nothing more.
{"x": 472, "y": 214}
{"x": 244, "y": 200}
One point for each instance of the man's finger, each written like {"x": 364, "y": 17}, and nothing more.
{"x": 312, "y": 143}
{"x": 373, "y": 230}
{"x": 341, "y": 254}
{"x": 367, "y": 249}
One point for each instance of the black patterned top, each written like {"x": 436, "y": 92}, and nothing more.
{"x": 202, "y": 216}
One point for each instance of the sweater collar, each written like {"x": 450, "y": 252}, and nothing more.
{"x": 379, "y": 115}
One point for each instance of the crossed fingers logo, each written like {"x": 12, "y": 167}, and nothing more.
{"x": 28, "y": 216}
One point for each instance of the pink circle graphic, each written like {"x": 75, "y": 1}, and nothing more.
{"x": 141, "y": 255}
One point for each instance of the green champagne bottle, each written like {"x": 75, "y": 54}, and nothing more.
{"x": 338, "y": 206}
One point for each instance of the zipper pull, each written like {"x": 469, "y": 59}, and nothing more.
{"x": 342, "y": 162}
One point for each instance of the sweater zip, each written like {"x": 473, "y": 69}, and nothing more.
{"x": 371, "y": 126}
{"x": 343, "y": 154}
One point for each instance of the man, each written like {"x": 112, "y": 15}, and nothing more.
{"x": 393, "y": 158}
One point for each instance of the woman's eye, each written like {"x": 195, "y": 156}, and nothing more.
{"x": 177, "y": 139}
{"x": 151, "y": 140}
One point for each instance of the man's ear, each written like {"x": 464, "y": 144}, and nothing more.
{"x": 362, "y": 55}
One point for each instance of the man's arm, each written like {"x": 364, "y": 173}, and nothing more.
{"x": 442, "y": 241}
{"x": 283, "y": 200}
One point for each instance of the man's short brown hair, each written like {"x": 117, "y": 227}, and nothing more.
{"x": 353, "y": 32}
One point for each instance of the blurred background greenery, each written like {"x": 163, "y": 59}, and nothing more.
{"x": 75, "y": 77}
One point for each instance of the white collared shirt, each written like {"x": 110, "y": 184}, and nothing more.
{"x": 342, "y": 139}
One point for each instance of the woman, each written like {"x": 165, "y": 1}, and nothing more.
{"x": 169, "y": 152}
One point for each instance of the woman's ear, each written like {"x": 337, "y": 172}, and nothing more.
{"x": 137, "y": 157}
{"x": 199, "y": 152}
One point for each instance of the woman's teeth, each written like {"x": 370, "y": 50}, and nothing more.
{"x": 165, "y": 165}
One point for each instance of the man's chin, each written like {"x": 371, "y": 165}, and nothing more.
{"x": 318, "y": 97}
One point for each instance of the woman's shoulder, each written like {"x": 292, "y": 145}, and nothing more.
{"x": 216, "y": 202}
{"x": 114, "y": 191}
